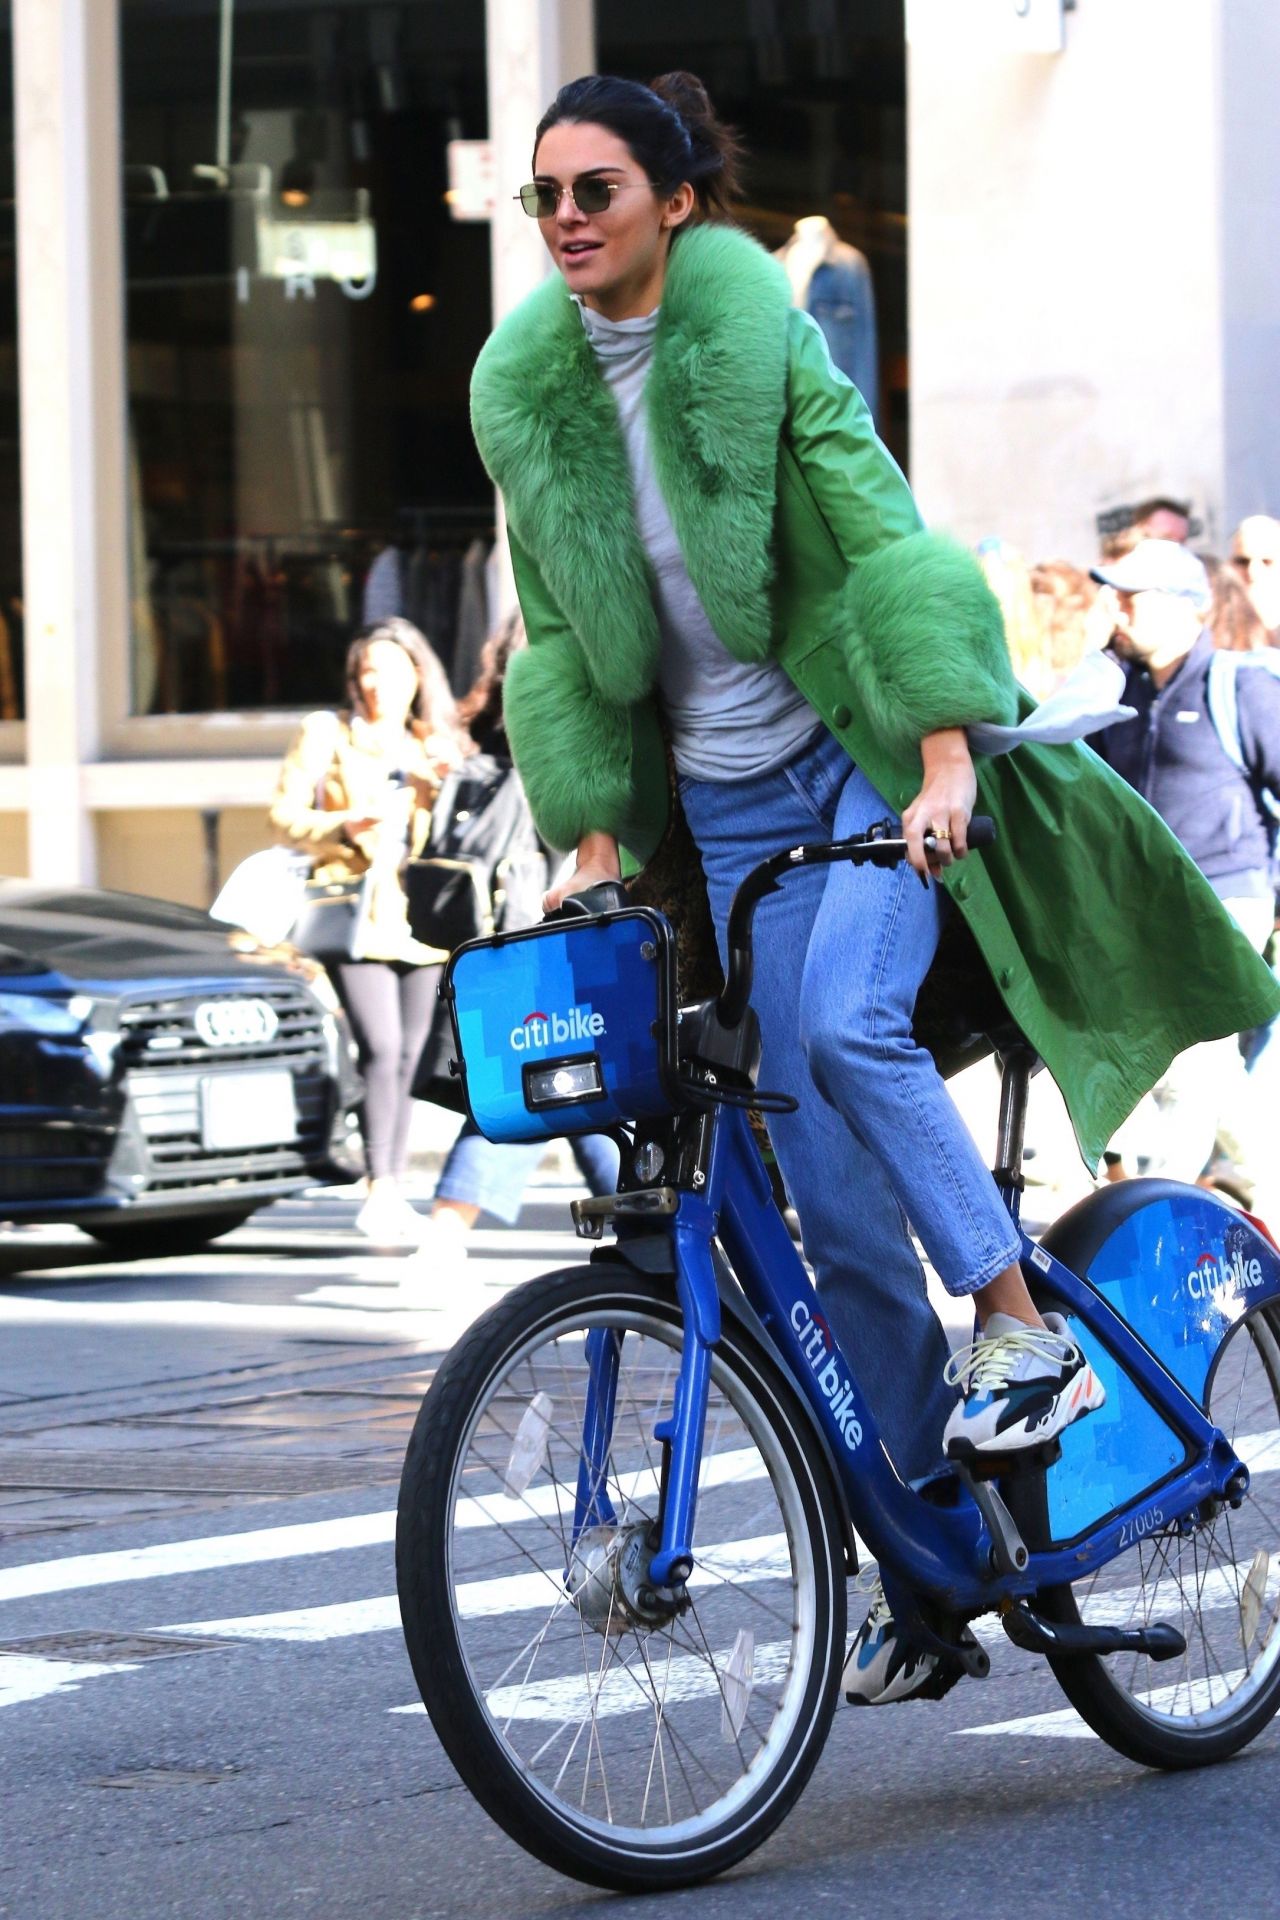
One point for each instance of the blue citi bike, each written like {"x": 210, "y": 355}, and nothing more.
{"x": 638, "y": 1488}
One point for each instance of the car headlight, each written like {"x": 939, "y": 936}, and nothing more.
{"x": 59, "y": 1014}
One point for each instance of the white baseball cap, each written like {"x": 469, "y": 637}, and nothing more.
{"x": 1158, "y": 566}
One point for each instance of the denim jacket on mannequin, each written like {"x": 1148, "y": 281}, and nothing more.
{"x": 842, "y": 301}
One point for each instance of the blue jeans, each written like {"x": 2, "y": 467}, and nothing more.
{"x": 840, "y": 954}
{"x": 480, "y": 1174}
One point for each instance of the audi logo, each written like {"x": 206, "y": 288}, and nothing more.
{"x": 236, "y": 1023}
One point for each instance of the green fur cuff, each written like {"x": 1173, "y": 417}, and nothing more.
{"x": 572, "y": 748}
{"x": 924, "y": 640}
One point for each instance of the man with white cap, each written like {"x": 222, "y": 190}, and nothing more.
{"x": 1211, "y": 795}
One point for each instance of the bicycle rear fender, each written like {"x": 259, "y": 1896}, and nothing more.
{"x": 1182, "y": 1269}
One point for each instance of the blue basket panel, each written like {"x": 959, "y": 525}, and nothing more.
{"x": 584, "y": 989}
{"x": 1180, "y": 1272}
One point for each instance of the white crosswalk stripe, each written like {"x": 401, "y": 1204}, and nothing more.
{"x": 318, "y": 1536}
{"x": 1182, "y": 1696}
{"x": 25, "y": 1677}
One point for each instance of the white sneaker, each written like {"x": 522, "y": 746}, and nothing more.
{"x": 1022, "y": 1385}
{"x": 388, "y": 1220}
{"x": 429, "y": 1278}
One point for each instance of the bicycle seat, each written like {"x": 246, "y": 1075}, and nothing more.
{"x": 959, "y": 1014}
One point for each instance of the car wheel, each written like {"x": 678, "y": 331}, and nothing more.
{"x": 160, "y": 1239}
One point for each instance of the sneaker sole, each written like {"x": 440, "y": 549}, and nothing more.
{"x": 939, "y": 1682}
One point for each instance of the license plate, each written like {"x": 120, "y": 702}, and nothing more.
{"x": 247, "y": 1110}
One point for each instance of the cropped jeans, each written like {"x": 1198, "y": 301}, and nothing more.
{"x": 840, "y": 953}
{"x": 479, "y": 1174}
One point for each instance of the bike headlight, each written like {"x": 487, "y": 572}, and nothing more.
{"x": 563, "y": 1083}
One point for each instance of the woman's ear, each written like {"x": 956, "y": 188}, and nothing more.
{"x": 679, "y": 206}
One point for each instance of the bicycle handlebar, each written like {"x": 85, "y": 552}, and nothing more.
{"x": 881, "y": 845}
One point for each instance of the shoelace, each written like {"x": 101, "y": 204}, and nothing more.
{"x": 985, "y": 1364}
{"x": 867, "y": 1580}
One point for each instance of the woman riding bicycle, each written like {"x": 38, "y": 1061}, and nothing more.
{"x": 710, "y": 542}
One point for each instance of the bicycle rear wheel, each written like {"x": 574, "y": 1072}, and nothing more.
{"x": 1218, "y": 1583}
{"x": 629, "y": 1752}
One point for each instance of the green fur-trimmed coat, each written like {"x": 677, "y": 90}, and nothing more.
{"x": 803, "y": 541}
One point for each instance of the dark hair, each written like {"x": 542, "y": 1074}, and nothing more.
{"x": 480, "y": 710}
{"x": 434, "y": 709}
{"x": 670, "y": 127}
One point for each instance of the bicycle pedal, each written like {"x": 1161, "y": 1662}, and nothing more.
{"x": 969, "y": 1461}
{"x": 946, "y": 1675}
{"x": 1159, "y": 1640}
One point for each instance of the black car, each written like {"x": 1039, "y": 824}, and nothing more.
{"x": 161, "y": 1074}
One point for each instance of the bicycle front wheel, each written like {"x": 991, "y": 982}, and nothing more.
{"x": 1217, "y": 1580}
{"x": 628, "y": 1751}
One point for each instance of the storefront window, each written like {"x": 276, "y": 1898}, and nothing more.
{"x": 11, "y": 681}
{"x": 819, "y": 92}
{"x": 303, "y": 313}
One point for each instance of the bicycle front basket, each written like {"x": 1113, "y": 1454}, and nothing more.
{"x": 568, "y": 1027}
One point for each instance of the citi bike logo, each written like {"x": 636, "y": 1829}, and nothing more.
{"x": 1215, "y": 1273}
{"x": 555, "y": 1029}
{"x": 817, "y": 1345}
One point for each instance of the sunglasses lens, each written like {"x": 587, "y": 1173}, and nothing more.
{"x": 538, "y": 202}
{"x": 592, "y": 196}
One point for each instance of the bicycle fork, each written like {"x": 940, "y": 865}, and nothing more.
{"x": 680, "y": 1433}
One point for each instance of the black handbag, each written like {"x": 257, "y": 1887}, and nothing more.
{"x": 482, "y": 870}
{"x": 448, "y": 902}
{"x": 333, "y": 919}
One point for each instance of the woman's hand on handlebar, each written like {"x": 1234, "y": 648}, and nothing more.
{"x": 944, "y": 804}
{"x": 597, "y": 860}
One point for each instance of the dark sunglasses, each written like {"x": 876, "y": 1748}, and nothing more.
{"x": 589, "y": 194}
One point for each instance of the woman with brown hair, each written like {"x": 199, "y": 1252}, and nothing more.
{"x": 709, "y": 540}
{"x": 355, "y": 793}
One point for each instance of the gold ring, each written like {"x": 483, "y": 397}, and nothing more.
{"x": 940, "y": 833}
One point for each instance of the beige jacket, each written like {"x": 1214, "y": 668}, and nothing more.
{"x": 337, "y": 770}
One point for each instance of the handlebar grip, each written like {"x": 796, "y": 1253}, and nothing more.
{"x": 982, "y": 831}
{"x": 607, "y": 896}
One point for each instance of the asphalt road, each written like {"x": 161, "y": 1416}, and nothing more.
{"x": 203, "y": 1684}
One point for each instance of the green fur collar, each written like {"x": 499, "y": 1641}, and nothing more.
{"x": 548, "y": 432}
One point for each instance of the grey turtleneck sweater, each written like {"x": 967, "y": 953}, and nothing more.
{"x": 728, "y": 721}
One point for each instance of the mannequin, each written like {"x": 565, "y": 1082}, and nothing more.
{"x": 832, "y": 281}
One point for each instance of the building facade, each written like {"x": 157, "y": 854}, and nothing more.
{"x": 255, "y": 246}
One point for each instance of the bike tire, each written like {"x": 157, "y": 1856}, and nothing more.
{"x": 1204, "y": 1707}
{"x": 759, "y": 1464}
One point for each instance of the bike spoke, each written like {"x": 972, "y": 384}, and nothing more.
{"x": 625, "y": 1723}
{"x": 1216, "y": 1578}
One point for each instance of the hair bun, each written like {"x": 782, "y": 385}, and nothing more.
{"x": 714, "y": 147}
{"x": 686, "y": 93}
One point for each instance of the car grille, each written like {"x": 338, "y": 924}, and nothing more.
{"x": 166, "y": 1060}
{"x": 163, "y": 1032}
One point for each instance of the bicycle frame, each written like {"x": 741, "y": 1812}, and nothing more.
{"x": 940, "y": 1551}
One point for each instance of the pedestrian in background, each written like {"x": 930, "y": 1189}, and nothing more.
{"x": 1233, "y": 618}
{"x": 355, "y": 793}
{"x": 1255, "y": 555}
{"x": 479, "y": 1176}
{"x": 1172, "y": 753}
